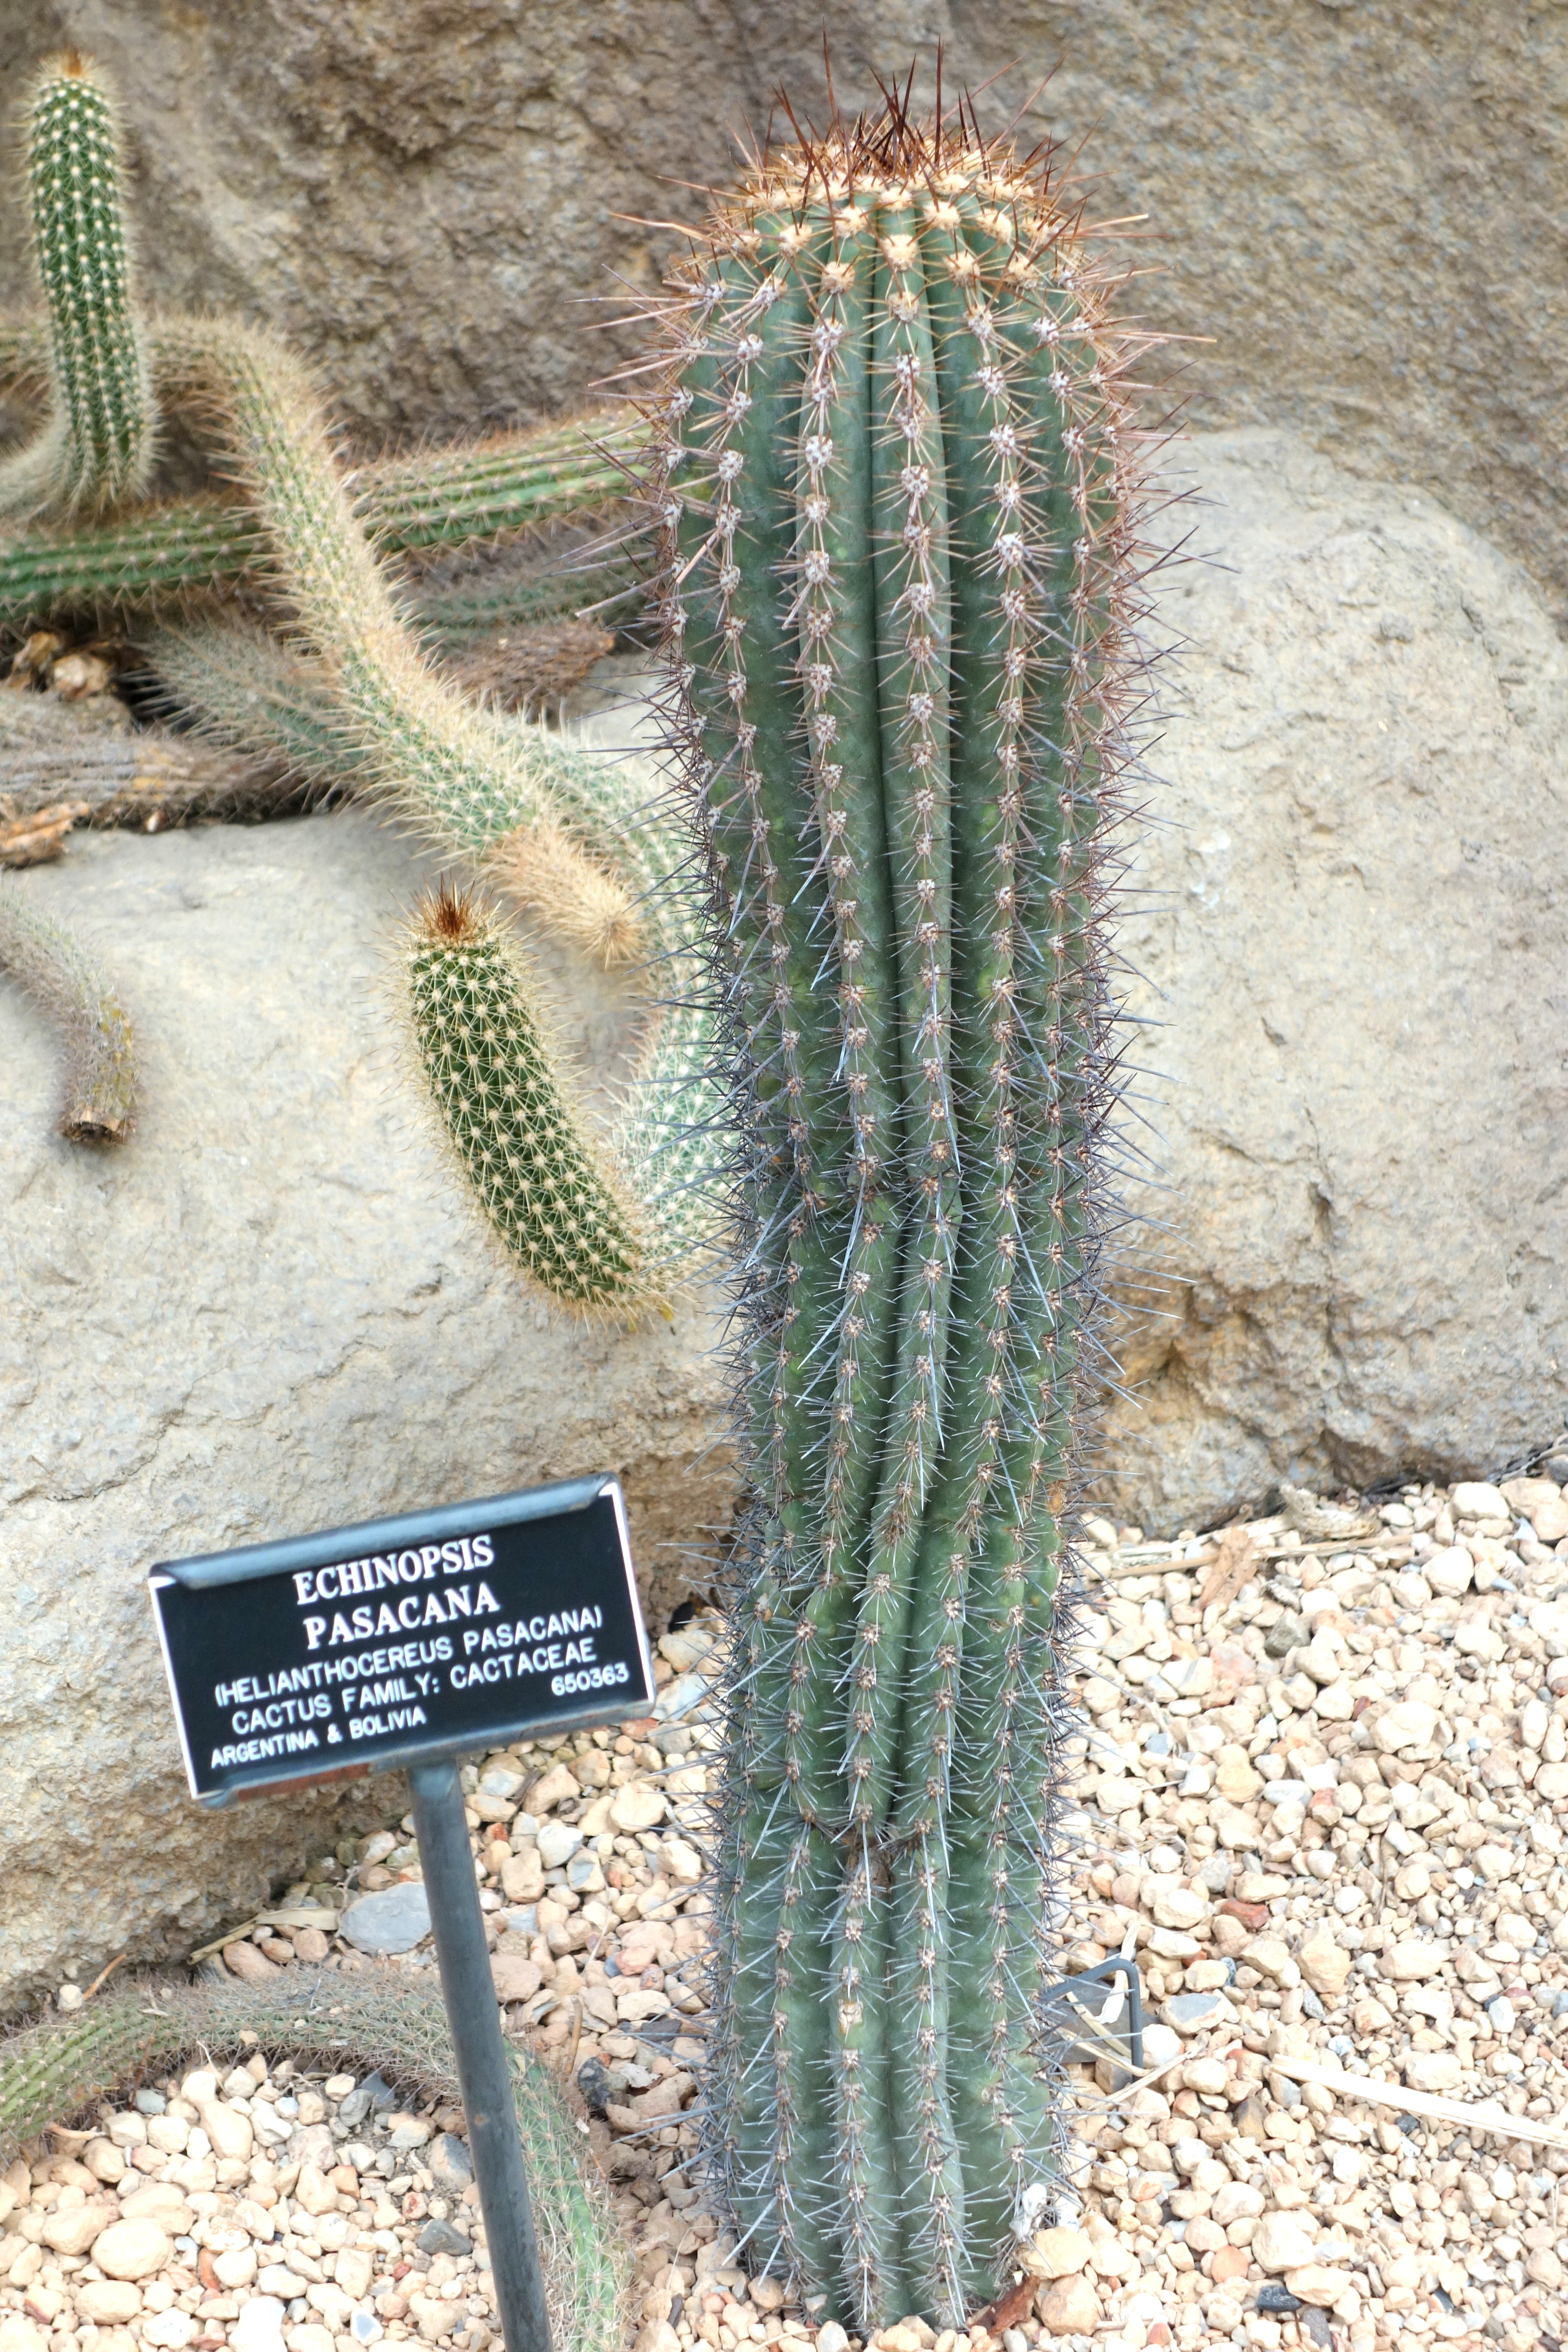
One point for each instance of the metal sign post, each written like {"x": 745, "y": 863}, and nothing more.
{"x": 484, "y": 2070}
{"x": 414, "y": 1640}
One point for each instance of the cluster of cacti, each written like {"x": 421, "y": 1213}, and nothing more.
{"x": 895, "y": 481}
{"x": 66, "y": 2065}
{"x": 52, "y": 965}
{"x": 96, "y": 447}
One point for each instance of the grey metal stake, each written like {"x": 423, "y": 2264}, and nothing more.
{"x": 484, "y": 2070}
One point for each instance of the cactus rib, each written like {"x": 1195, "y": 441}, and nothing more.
{"x": 53, "y": 2071}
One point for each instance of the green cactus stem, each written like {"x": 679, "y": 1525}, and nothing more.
{"x": 507, "y": 1111}
{"x": 899, "y": 491}
{"x": 53, "y": 966}
{"x": 441, "y": 499}
{"x": 95, "y": 450}
{"x": 63, "y": 2067}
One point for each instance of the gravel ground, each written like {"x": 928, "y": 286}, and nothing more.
{"x": 1323, "y": 1760}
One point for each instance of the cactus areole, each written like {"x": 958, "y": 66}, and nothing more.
{"x": 899, "y": 566}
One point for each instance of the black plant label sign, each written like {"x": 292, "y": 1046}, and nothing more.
{"x": 403, "y": 1639}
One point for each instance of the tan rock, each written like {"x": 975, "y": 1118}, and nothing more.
{"x": 643, "y": 2002}
{"x": 1475, "y": 1636}
{"x": 311, "y": 1945}
{"x": 1477, "y": 1498}
{"x": 595, "y": 1821}
{"x": 1060, "y": 2252}
{"x": 1409, "y": 1723}
{"x": 132, "y": 2250}
{"x": 522, "y": 1876}
{"x": 1175, "y": 1905}
{"x": 18, "y": 2333}
{"x": 251, "y": 1966}
{"x": 1324, "y": 1961}
{"x": 1236, "y": 1778}
{"x": 638, "y": 1806}
{"x": 515, "y": 1975}
{"x": 161, "y": 2201}
{"x": 1284, "y": 2241}
{"x": 1412, "y": 1958}
{"x": 228, "y": 2130}
{"x": 109, "y": 2303}
{"x": 1527, "y": 1495}
{"x": 1316, "y": 2282}
{"x": 73, "y": 2231}
{"x": 314, "y": 2192}
{"x": 1549, "y": 1520}
{"x": 1433, "y": 2070}
{"x": 1270, "y": 1954}
{"x": 680, "y": 1861}
{"x": 236, "y": 2267}
{"x": 557, "y": 1787}
{"x": 1069, "y": 2306}
{"x": 1544, "y": 2267}
{"x": 664, "y": 2099}
{"x": 103, "y": 2160}
{"x": 1449, "y": 1570}
{"x": 354, "y": 2270}
{"x": 1209, "y": 2075}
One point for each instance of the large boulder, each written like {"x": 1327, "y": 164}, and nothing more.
{"x": 1353, "y": 956}
{"x": 274, "y": 1309}
{"x": 438, "y": 199}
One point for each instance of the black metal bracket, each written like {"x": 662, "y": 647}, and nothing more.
{"x": 1088, "y": 2038}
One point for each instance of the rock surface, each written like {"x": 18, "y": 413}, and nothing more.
{"x": 1352, "y": 967}
{"x": 274, "y": 1309}
{"x": 1356, "y": 204}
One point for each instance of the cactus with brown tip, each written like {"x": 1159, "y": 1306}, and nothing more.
{"x": 50, "y": 963}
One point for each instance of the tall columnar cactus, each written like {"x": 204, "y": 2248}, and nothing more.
{"x": 97, "y": 447}
{"x": 898, "y": 495}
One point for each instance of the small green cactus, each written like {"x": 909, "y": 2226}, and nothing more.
{"x": 51, "y": 964}
{"x": 97, "y": 448}
{"x": 502, "y": 1099}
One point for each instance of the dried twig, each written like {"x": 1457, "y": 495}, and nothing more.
{"x": 1481, "y": 2115}
{"x": 1234, "y": 1563}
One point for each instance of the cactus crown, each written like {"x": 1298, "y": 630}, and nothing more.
{"x": 100, "y": 442}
